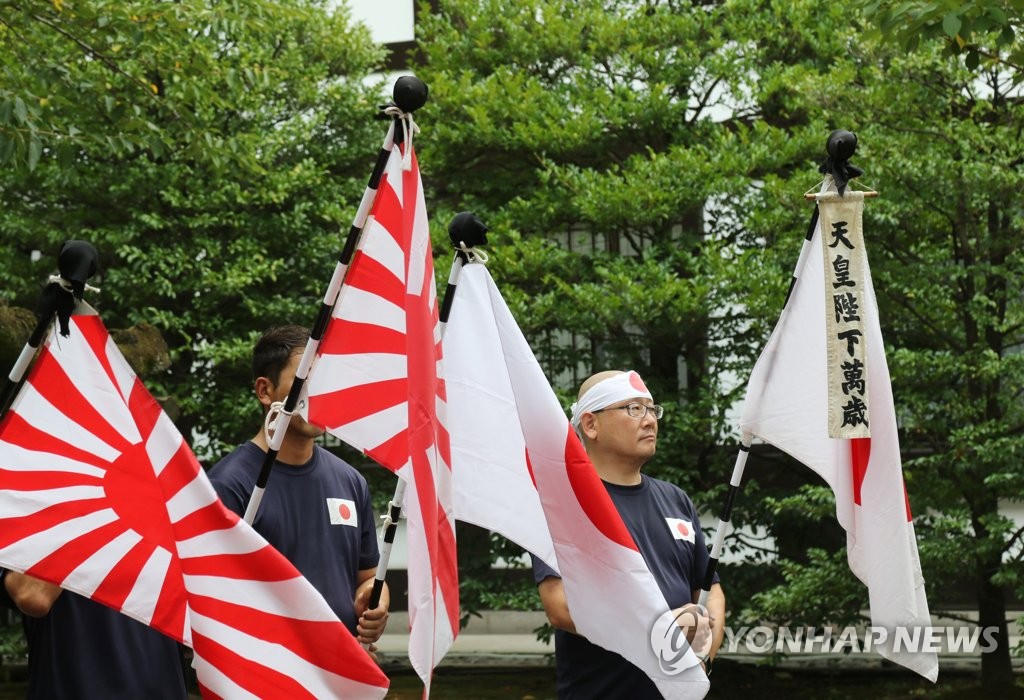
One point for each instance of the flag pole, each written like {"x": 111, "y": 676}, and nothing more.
{"x": 840, "y": 147}
{"x": 410, "y": 93}
{"x": 465, "y": 232}
{"x": 76, "y": 263}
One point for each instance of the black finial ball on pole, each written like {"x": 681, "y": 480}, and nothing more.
{"x": 467, "y": 230}
{"x": 410, "y": 93}
{"x": 841, "y": 144}
{"x": 77, "y": 263}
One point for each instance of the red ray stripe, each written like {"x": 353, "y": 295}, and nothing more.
{"x": 393, "y": 453}
{"x": 181, "y": 470}
{"x": 447, "y": 569}
{"x": 96, "y": 335}
{"x": 14, "y": 529}
{"x": 169, "y": 612}
{"x": 50, "y": 380}
{"x": 592, "y": 496}
{"x": 16, "y": 430}
{"x": 387, "y": 210}
{"x": 317, "y": 642}
{"x": 251, "y": 675}
{"x": 70, "y": 556}
{"x": 144, "y": 408}
{"x": 351, "y": 338}
{"x": 210, "y": 518}
{"x": 369, "y": 274}
{"x": 36, "y": 479}
{"x": 120, "y": 580}
{"x": 266, "y": 565}
{"x": 346, "y": 405}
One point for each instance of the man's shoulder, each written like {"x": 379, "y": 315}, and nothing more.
{"x": 666, "y": 490}
{"x": 240, "y": 461}
{"x": 337, "y": 465}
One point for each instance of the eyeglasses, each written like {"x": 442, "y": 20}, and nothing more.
{"x": 636, "y": 410}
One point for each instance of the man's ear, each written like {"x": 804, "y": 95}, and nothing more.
{"x": 588, "y": 424}
{"x": 264, "y": 389}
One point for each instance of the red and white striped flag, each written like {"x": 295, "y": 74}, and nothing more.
{"x": 613, "y": 598}
{"x": 376, "y": 384}
{"x": 100, "y": 494}
{"x": 787, "y": 405}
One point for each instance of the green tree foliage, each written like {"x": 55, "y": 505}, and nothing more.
{"x": 212, "y": 152}
{"x": 980, "y": 30}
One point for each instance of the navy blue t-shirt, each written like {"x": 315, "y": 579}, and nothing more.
{"x": 663, "y": 522}
{"x": 82, "y": 650}
{"x": 318, "y": 515}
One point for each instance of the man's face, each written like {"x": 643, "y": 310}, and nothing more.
{"x": 627, "y": 437}
{"x": 279, "y": 392}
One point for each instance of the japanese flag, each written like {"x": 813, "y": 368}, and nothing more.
{"x": 342, "y": 512}
{"x": 681, "y": 529}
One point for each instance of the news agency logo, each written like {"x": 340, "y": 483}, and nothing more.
{"x": 964, "y": 639}
{"x": 669, "y": 638}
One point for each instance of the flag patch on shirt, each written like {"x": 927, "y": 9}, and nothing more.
{"x": 342, "y": 511}
{"x": 681, "y": 529}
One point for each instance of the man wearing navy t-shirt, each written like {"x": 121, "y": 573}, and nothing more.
{"x": 617, "y": 420}
{"x": 81, "y": 650}
{"x": 316, "y": 509}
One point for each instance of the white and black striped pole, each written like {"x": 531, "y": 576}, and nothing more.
{"x": 76, "y": 263}
{"x": 410, "y": 93}
{"x": 840, "y": 146}
{"x": 465, "y": 232}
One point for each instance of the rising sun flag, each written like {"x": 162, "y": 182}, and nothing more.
{"x": 377, "y": 385}
{"x": 100, "y": 494}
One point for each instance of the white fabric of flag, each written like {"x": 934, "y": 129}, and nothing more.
{"x": 787, "y": 406}
{"x": 613, "y": 598}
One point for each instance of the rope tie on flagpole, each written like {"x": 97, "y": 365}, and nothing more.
{"x": 67, "y": 286}
{"x": 471, "y": 253}
{"x": 276, "y": 409}
{"x": 409, "y": 128}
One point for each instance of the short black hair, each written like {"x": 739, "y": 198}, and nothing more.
{"x": 275, "y": 348}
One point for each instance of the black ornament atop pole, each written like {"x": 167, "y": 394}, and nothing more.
{"x": 76, "y": 263}
{"x": 840, "y": 147}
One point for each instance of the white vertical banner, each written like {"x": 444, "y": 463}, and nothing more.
{"x": 845, "y": 260}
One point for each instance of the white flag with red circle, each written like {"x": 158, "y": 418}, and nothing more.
{"x": 787, "y": 405}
